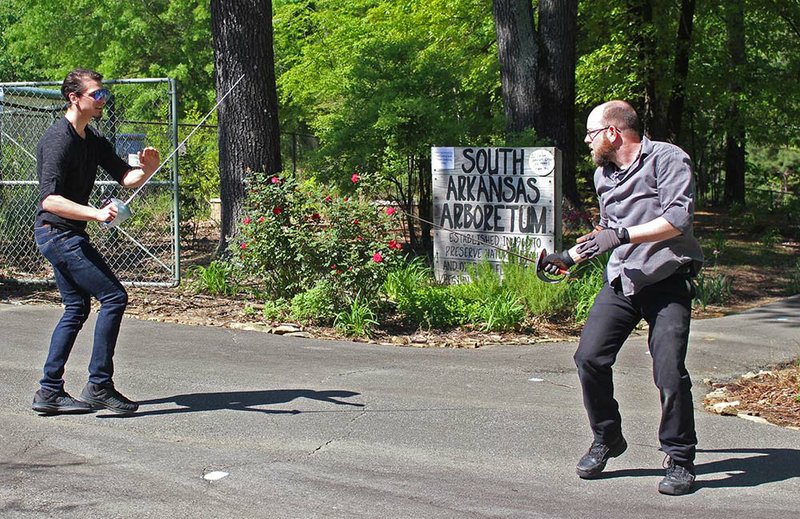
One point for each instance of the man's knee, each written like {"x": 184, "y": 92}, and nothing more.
{"x": 116, "y": 300}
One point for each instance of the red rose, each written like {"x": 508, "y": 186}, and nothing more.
{"x": 277, "y": 210}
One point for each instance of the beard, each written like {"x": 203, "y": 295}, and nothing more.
{"x": 603, "y": 152}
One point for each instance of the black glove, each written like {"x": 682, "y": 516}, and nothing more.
{"x": 603, "y": 241}
{"x": 556, "y": 262}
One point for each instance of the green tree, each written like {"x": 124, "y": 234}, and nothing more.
{"x": 380, "y": 82}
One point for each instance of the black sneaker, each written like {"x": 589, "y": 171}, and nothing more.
{"x": 106, "y": 396}
{"x": 593, "y": 462}
{"x": 49, "y": 402}
{"x": 678, "y": 480}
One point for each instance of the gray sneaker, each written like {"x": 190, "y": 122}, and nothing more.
{"x": 678, "y": 480}
{"x": 50, "y": 402}
{"x": 594, "y": 461}
{"x": 107, "y": 397}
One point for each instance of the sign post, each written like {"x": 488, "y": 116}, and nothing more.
{"x": 493, "y": 197}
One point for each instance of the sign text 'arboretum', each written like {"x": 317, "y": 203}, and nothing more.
{"x": 493, "y": 197}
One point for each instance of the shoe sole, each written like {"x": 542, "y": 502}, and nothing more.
{"x": 671, "y": 491}
{"x": 50, "y": 409}
{"x": 591, "y": 474}
{"x": 99, "y": 404}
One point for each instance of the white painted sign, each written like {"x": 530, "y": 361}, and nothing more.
{"x": 486, "y": 199}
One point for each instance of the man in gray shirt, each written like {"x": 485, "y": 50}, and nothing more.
{"x": 646, "y": 196}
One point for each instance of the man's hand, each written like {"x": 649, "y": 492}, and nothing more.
{"x": 585, "y": 237}
{"x": 106, "y": 213}
{"x": 149, "y": 160}
{"x": 557, "y": 262}
{"x": 603, "y": 241}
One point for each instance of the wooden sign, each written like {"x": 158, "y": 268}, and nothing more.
{"x": 490, "y": 198}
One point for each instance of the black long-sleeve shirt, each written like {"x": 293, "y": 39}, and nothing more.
{"x": 66, "y": 165}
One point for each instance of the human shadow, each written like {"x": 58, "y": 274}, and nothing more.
{"x": 239, "y": 401}
{"x": 748, "y": 468}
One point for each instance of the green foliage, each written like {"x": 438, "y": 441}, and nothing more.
{"x": 380, "y": 81}
{"x": 488, "y": 301}
{"x": 358, "y": 321}
{"x": 588, "y": 286}
{"x": 712, "y": 289}
{"x": 770, "y": 238}
{"x": 296, "y": 235}
{"x": 793, "y": 287}
{"x": 215, "y": 279}
{"x": 318, "y": 304}
{"x": 275, "y": 310}
{"x": 164, "y": 38}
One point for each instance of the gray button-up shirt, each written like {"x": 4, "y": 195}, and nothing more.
{"x": 658, "y": 183}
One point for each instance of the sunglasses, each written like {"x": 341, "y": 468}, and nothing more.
{"x": 100, "y": 95}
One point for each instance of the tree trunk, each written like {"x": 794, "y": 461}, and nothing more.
{"x": 249, "y": 135}
{"x": 555, "y": 85}
{"x": 517, "y": 49}
{"x": 650, "y": 110}
{"x": 425, "y": 203}
{"x": 682, "y": 52}
{"x": 735, "y": 130}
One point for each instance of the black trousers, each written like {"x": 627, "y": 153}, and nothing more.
{"x": 666, "y": 307}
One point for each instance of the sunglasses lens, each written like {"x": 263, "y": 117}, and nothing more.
{"x": 102, "y": 94}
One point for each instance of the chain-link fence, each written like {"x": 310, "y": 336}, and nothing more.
{"x": 141, "y": 112}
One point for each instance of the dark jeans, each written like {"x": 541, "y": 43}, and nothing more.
{"x": 81, "y": 272}
{"x": 666, "y": 307}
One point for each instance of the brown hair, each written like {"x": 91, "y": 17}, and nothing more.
{"x": 75, "y": 80}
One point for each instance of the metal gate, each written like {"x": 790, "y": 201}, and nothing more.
{"x": 145, "y": 250}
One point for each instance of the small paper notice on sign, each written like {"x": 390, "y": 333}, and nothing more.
{"x": 443, "y": 158}
{"x": 542, "y": 162}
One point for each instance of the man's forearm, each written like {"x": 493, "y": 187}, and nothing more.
{"x": 655, "y": 230}
{"x": 65, "y": 208}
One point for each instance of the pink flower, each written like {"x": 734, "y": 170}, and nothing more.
{"x": 261, "y": 219}
{"x": 390, "y": 211}
{"x": 355, "y": 178}
{"x": 246, "y": 220}
{"x": 333, "y": 267}
{"x": 275, "y": 180}
{"x": 377, "y": 257}
{"x": 327, "y": 198}
{"x": 277, "y": 210}
{"x": 243, "y": 246}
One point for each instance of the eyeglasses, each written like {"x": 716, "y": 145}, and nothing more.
{"x": 592, "y": 134}
{"x": 99, "y": 95}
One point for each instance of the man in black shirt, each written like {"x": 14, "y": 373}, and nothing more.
{"x": 68, "y": 155}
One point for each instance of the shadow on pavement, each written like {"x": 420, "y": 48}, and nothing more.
{"x": 749, "y": 468}
{"x": 239, "y": 401}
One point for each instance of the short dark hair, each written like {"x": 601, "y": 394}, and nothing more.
{"x": 622, "y": 115}
{"x": 75, "y": 80}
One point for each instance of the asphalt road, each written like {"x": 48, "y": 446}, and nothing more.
{"x": 311, "y": 429}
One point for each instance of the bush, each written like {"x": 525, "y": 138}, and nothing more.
{"x": 215, "y": 279}
{"x": 297, "y": 234}
{"x": 712, "y": 289}
{"x": 358, "y": 321}
{"x": 317, "y": 304}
